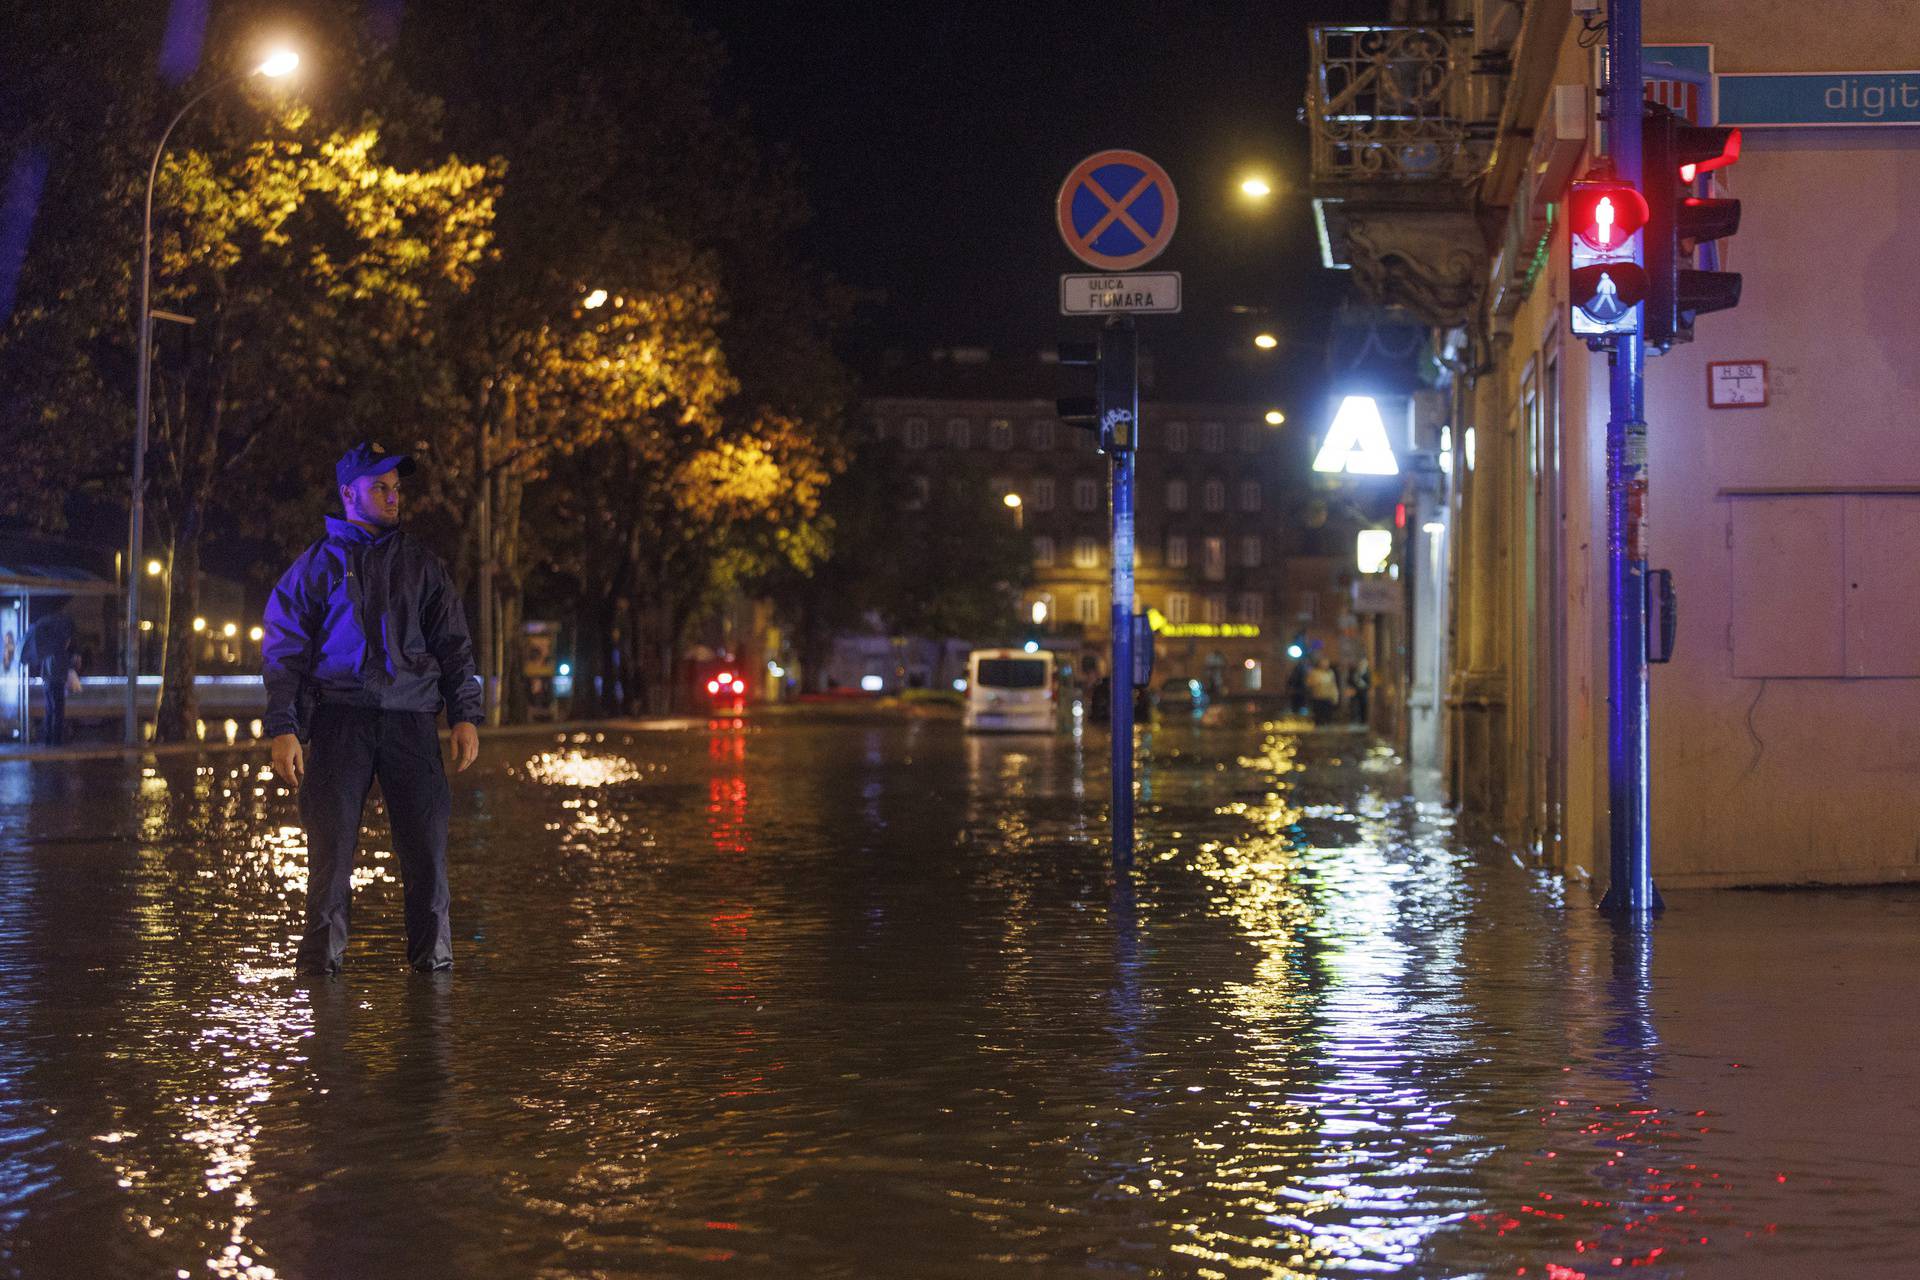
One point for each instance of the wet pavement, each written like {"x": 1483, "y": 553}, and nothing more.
{"x": 862, "y": 1000}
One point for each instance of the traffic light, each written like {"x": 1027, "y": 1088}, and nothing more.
{"x": 1110, "y": 411}
{"x": 1677, "y": 155}
{"x": 1605, "y": 279}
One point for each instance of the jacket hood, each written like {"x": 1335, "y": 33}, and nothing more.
{"x": 340, "y": 529}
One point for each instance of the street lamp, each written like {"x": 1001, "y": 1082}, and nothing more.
{"x": 1019, "y": 515}
{"x": 1275, "y": 418}
{"x": 1255, "y": 188}
{"x": 279, "y": 63}
{"x": 1265, "y": 341}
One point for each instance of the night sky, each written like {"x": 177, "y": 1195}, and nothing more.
{"x": 932, "y": 139}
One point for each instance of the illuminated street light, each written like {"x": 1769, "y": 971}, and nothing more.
{"x": 277, "y": 64}
{"x": 1265, "y": 341}
{"x": 1014, "y": 505}
{"x": 153, "y": 568}
{"x": 594, "y": 300}
{"x": 1256, "y": 187}
{"x": 256, "y": 634}
{"x": 199, "y": 624}
{"x": 1276, "y": 418}
{"x": 1039, "y": 612}
{"x": 231, "y": 630}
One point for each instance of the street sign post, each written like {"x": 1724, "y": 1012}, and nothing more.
{"x": 1108, "y": 295}
{"x": 1116, "y": 211}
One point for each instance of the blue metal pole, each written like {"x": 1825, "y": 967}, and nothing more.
{"x": 1630, "y": 889}
{"x": 1120, "y": 420}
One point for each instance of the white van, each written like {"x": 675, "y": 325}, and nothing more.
{"x": 1011, "y": 691}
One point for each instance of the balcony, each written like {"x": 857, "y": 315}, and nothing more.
{"x": 1396, "y": 154}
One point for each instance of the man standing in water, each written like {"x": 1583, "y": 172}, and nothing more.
{"x": 366, "y": 641}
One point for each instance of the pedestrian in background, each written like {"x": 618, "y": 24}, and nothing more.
{"x": 366, "y": 643}
{"x": 49, "y": 654}
{"x": 1361, "y": 682}
{"x": 1323, "y": 691}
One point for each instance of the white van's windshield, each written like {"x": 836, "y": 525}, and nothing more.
{"x": 1012, "y": 673}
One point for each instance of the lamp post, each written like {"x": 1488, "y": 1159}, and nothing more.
{"x": 1018, "y": 508}
{"x": 281, "y": 63}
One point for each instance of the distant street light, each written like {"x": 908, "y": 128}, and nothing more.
{"x": 1019, "y": 513}
{"x": 256, "y": 634}
{"x": 1039, "y": 612}
{"x": 595, "y": 300}
{"x": 231, "y": 630}
{"x": 1256, "y": 188}
{"x": 279, "y": 63}
{"x": 1265, "y": 341}
{"x": 153, "y": 568}
{"x": 1275, "y": 418}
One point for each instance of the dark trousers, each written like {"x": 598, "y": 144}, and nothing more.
{"x": 54, "y": 732}
{"x": 351, "y": 746}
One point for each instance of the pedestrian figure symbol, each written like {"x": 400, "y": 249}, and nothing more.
{"x": 1116, "y": 210}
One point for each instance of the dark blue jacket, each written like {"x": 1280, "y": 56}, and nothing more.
{"x": 367, "y": 620}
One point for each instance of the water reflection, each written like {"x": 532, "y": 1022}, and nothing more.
{"x": 868, "y": 1000}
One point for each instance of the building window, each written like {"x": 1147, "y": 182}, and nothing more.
{"x": 1043, "y": 493}
{"x": 1000, "y": 434}
{"x": 919, "y": 489}
{"x": 1086, "y": 553}
{"x": 1213, "y": 437}
{"x": 1249, "y": 495}
{"x": 1176, "y": 437}
{"x": 1176, "y": 495}
{"x": 1176, "y": 551}
{"x": 1213, "y": 563}
{"x": 914, "y": 433}
{"x": 1306, "y": 606}
{"x": 1040, "y": 436}
{"x": 1086, "y": 607}
{"x": 1043, "y": 552}
{"x": 1250, "y": 551}
{"x": 959, "y": 433}
{"x": 1251, "y": 607}
{"x": 1250, "y": 437}
{"x": 1216, "y": 611}
{"x": 1178, "y": 608}
{"x": 1214, "y": 496}
{"x": 1086, "y": 494}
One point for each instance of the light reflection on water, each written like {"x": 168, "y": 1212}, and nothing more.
{"x": 864, "y": 1000}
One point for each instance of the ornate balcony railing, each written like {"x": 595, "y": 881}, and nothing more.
{"x": 1391, "y": 103}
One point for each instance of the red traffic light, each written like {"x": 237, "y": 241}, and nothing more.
{"x": 1606, "y": 214}
{"x": 1728, "y": 142}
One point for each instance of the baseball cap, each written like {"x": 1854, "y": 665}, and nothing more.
{"x": 369, "y": 459}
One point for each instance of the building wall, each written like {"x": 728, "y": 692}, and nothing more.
{"x": 1270, "y": 575}
{"x": 1777, "y": 757}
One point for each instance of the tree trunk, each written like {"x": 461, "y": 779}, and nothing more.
{"x": 179, "y": 705}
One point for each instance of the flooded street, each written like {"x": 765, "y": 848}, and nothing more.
{"x": 863, "y": 1000}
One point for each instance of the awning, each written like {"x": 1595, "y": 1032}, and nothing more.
{"x": 39, "y": 578}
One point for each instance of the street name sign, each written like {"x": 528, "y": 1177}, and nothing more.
{"x": 1809, "y": 99}
{"x": 1116, "y": 210}
{"x": 1105, "y": 295}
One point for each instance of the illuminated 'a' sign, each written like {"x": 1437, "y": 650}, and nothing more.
{"x": 1356, "y": 443}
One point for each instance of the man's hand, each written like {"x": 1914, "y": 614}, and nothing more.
{"x": 289, "y": 763}
{"x": 466, "y": 746}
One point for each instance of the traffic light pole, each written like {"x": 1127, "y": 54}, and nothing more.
{"x": 1119, "y": 390}
{"x": 1630, "y": 890}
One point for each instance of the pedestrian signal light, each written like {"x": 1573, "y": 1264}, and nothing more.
{"x": 1606, "y": 280}
{"x": 1683, "y": 224}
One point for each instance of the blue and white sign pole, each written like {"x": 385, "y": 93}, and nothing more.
{"x": 1116, "y": 212}
{"x": 1119, "y": 425}
{"x": 1630, "y": 890}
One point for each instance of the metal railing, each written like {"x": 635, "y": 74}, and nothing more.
{"x": 1391, "y": 103}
